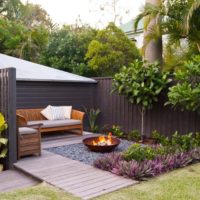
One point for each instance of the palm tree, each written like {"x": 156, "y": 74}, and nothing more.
{"x": 176, "y": 19}
{"x": 193, "y": 23}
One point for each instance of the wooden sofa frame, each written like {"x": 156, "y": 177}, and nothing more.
{"x": 25, "y": 115}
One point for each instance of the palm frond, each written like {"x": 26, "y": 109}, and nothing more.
{"x": 192, "y": 9}
{"x": 148, "y": 12}
{"x": 137, "y": 20}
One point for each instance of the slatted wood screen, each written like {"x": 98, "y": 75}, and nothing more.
{"x": 8, "y": 108}
{"x": 117, "y": 110}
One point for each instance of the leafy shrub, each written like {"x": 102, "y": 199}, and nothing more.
{"x": 178, "y": 143}
{"x": 184, "y": 142}
{"x": 197, "y": 139}
{"x": 3, "y": 140}
{"x": 185, "y": 94}
{"x": 116, "y": 130}
{"x": 139, "y": 153}
{"x": 134, "y": 135}
{"x": 161, "y": 139}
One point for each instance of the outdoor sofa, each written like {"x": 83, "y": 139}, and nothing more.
{"x": 33, "y": 116}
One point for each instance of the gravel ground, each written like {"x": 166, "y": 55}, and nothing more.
{"x": 81, "y": 153}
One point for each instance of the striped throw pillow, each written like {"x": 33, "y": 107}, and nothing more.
{"x": 58, "y": 112}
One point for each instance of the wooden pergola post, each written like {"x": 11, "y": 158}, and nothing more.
{"x": 8, "y": 109}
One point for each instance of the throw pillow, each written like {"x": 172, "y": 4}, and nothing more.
{"x": 47, "y": 112}
{"x": 67, "y": 111}
{"x": 58, "y": 112}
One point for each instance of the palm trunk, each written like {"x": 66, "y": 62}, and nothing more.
{"x": 153, "y": 49}
{"x": 198, "y": 46}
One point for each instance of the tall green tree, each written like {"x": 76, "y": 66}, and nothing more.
{"x": 33, "y": 15}
{"x": 110, "y": 50}
{"x": 11, "y": 9}
{"x": 67, "y": 48}
{"x": 19, "y": 41}
{"x": 141, "y": 84}
{"x": 24, "y": 29}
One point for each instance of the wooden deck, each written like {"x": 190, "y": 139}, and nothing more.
{"x": 69, "y": 175}
{"x": 66, "y": 139}
{"x": 12, "y": 179}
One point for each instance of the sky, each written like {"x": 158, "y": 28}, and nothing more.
{"x": 68, "y": 11}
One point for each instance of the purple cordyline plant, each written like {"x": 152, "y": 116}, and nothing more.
{"x": 134, "y": 169}
{"x": 141, "y": 170}
{"x": 108, "y": 161}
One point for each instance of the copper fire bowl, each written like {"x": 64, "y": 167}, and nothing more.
{"x": 97, "y": 148}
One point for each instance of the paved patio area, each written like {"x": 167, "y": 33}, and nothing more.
{"x": 72, "y": 176}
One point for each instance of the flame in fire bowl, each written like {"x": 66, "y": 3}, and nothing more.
{"x": 102, "y": 143}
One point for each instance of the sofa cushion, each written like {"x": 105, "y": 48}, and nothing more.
{"x": 56, "y": 123}
{"x": 26, "y": 130}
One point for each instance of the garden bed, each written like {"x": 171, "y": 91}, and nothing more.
{"x": 140, "y": 162}
{"x": 81, "y": 153}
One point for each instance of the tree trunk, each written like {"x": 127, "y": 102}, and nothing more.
{"x": 154, "y": 48}
{"x": 142, "y": 123}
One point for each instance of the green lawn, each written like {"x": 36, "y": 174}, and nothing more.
{"x": 39, "y": 192}
{"x": 182, "y": 184}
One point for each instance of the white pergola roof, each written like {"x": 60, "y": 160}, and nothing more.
{"x": 29, "y": 71}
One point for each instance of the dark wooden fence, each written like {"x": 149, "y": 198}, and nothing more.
{"x": 117, "y": 110}
{"x": 35, "y": 94}
{"x": 8, "y": 108}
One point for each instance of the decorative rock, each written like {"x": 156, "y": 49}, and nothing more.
{"x": 81, "y": 153}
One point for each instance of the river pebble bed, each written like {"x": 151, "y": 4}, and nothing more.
{"x": 81, "y": 153}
